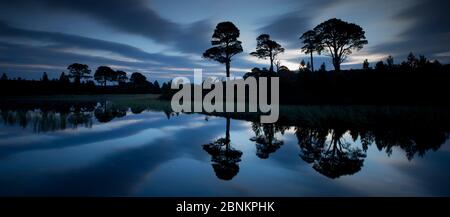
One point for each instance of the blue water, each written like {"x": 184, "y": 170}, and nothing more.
{"x": 149, "y": 154}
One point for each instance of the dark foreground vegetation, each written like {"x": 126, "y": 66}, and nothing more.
{"x": 78, "y": 80}
{"x": 415, "y": 81}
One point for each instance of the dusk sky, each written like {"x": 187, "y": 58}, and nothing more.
{"x": 163, "y": 38}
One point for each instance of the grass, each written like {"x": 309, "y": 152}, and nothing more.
{"x": 355, "y": 115}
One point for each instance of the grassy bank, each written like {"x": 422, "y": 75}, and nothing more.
{"x": 352, "y": 115}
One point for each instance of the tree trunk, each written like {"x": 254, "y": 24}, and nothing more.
{"x": 104, "y": 82}
{"x": 271, "y": 136}
{"x": 312, "y": 63}
{"x": 227, "y": 64}
{"x": 227, "y": 133}
{"x": 271, "y": 65}
{"x": 337, "y": 65}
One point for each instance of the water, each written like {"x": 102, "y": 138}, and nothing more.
{"x": 97, "y": 149}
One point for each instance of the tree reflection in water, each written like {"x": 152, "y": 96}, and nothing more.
{"x": 106, "y": 112}
{"x": 332, "y": 157}
{"x": 48, "y": 117}
{"x": 223, "y": 156}
{"x": 265, "y": 140}
{"x": 324, "y": 134}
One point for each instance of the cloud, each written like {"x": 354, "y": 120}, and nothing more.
{"x": 24, "y": 50}
{"x": 287, "y": 28}
{"x": 131, "y": 16}
{"x": 54, "y": 40}
{"x": 428, "y": 33}
{"x": 419, "y": 26}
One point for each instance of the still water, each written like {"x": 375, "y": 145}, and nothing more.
{"x": 94, "y": 149}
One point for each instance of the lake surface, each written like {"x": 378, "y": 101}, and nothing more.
{"x": 96, "y": 149}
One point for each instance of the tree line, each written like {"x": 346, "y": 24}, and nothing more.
{"x": 335, "y": 37}
{"x": 413, "y": 81}
{"x": 78, "y": 80}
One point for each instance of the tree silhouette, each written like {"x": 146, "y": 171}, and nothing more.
{"x": 412, "y": 61}
{"x": 422, "y": 61}
{"x": 223, "y": 156}
{"x": 332, "y": 159}
{"x": 156, "y": 84}
{"x": 311, "y": 141}
{"x": 323, "y": 67}
{"x": 265, "y": 140}
{"x": 138, "y": 79}
{"x": 390, "y": 62}
{"x": 104, "y": 74}
{"x": 366, "y": 64}
{"x": 106, "y": 112}
{"x": 64, "y": 78}
{"x": 267, "y": 48}
{"x": 380, "y": 66}
{"x": 225, "y": 44}
{"x": 4, "y": 77}
{"x": 302, "y": 66}
{"x": 121, "y": 77}
{"x": 339, "y": 38}
{"x": 340, "y": 158}
{"x": 311, "y": 45}
{"x": 78, "y": 71}
{"x": 44, "y": 77}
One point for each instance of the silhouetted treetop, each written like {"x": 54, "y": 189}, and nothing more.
{"x": 380, "y": 65}
{"x": 78, "y": 71}
{"x": 4, "y": 77}
{"x": 121, "y": 76}
{"x": 339, "y": 39}
{"x": 412, "y": 61}
{"x": 390, "y": 61}
{"x": 104, "y": 74}
{"x": 225, "y": 44}
{"x": 64, "y": 78}
{"x": 156, "y": 85}
{"x": 45, "y": 77}
{"x": 323, "y": 67}
{"x": 267, "y": 48}
{"x": 311, "y": 44}
{"x": 366, "y": 64}
{"x": 224, "y": 158}
{"x": 332, "y": 159}
{"x": 138, "y": 78}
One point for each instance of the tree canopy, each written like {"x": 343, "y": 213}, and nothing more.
{"x": 121, "y": 76}
{"x": 311, "y": 45}
{"x": 104, "y": 74}
{"x": 4, "y": 77}
{"x": 45, "y": 77}
{"x": 225, "y": 44}
{"x": 78, "y": 71}
{"x": 267, "y": 48}
{"x": 138, "y": 78}
{"x": 338, "y": 38}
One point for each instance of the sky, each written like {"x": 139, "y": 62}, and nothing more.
{"x": 165, "y": 38}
